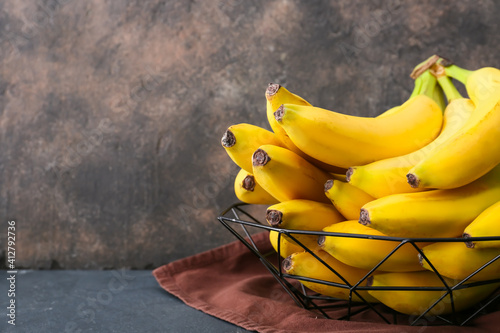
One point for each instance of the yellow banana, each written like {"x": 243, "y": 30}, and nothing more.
{"x": 241, "y": 140}
{"x": 348, "y": 199}
{"x": 389, "y": 112}
{"x": 249, "y": 191}
{"x": 456, "y": 261}
{"x": 433, "y": 213}
{"x": 366, "y": 253}
{"x": 388, "y": 176}
{"x": 473, "y": 150}
{"x": 416, "y": 302}
{"x": 287, "y": 176}
{"x": 482, "y": 85}
{"x": 288, "y": 246}
{"x": 304, "y": 264}
{"x": 302, "y": 215}
{"x": 277, "y": 95}
{"x": 485, "y": 225}
{"x": 345, "y": 140}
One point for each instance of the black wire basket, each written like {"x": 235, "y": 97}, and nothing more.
{"x": 244, "y": 226}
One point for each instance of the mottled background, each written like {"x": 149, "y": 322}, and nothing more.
{"x": 112, "y": 111}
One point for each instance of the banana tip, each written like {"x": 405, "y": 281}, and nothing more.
{"x": 272, "y": 89}
{"x": 348, "y": 174}
{"x": 249, "y": 183}
{"x": 274, "y": 217}
{"x": 279, "y": 113}
{"x": 413, "y": 180}
{"x": 228, "y": 139}
{"x": 260, "y": 158}
{"x": 369, "y": 281}
{"x": 328, "y": 185}
{"x": 469, "y": 243}
{"x": 364, "y": 217}
{"x": 421, "y": 259}
{"x": 321, "y": 240}
{"x": 287, "y": 264}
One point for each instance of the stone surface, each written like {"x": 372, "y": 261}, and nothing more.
{"x": 114, "y": 301}
{"x": 112, "y": 111}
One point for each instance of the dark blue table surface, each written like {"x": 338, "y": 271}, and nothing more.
{"x": 99, "y": 301}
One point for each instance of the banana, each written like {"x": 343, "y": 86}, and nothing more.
{"x": 485, "y": 225}
{"x": 348, "y": 199}
{"x": 277, "y": 95}
{"x": 287, "y": 176}
{"x": 241, "y": 140}
{"x": 304, "y": 264}
{"x": 475, "y": 145}
{"x": 366, "y": 253}
{"x": 249, "y": 191}
{"x": 433, "y": 213}
{"x": 302, "y": 215}
{"x": 390, "y": 111}
{"x": 345, "y": 140}
{"x": 388, "y": 176}
{"x": 482, "y": 85}
{"x": 416, "y": 301}
{"x": 456, "y": 261}
{"x": 289, "y": 246}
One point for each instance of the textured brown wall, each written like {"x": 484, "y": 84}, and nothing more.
{"x": 112, "y": 111}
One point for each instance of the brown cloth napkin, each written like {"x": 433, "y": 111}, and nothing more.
{"x": 230, "y": 283}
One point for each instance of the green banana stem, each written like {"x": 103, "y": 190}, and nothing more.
{"x": 428, "y": 84}
{"x": 449, "y": 88}
{"x": 458, "y": 73}
{"x": 418, "y": 85}
{"x": 438, "y": 97}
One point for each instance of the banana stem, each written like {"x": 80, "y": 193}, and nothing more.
{"x": 417, "y": 87}
{"x": 439, "y": 98}
{"x": 458, "y": 73}
{"x": 428, "y": 84}
{"x": 449, "y": 88}
{"x": 423, "y": 66}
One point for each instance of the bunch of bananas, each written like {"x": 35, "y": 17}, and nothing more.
{"x": 356, "y": 189}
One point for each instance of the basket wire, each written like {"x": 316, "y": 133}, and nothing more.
{"x": 321, "y": 304}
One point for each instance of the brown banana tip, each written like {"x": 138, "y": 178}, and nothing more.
{"x": 274, "y": 217}
{"x": 369, "y": 281}
{"x": 228, "y": 139}
{"x": 348, "y": 174}
{"x": 279, "y": 113}
{"x": 272, "y": 89}
{"x": 287, "y": 264}
{"x": 321, "y": 240}
{"x": 364, "y": 217}
{"x": 420, "y": 259}
{"x": 328, "y": 185}
{"x": 248, "y": 183}
{"x": 469, "y": 244}
{"x": 260, "y": 158}
{"x": 413, "y": 180}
